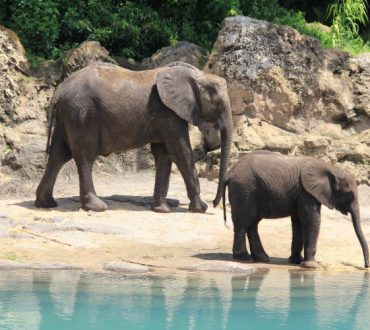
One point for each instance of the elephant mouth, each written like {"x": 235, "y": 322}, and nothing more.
{"x": 342, "y": 208}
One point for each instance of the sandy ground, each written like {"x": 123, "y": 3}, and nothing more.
{"x": 129, "y": 231}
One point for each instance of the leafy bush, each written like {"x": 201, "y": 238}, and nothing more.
{"x": 36, "y": 23}
{"x": 138, "y": 28}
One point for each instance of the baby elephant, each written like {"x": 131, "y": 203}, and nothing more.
{"x": 271, "y": 185}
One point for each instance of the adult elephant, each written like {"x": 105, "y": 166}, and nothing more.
{"x": 104, "y": 108}
{"x": 271, "y": 185}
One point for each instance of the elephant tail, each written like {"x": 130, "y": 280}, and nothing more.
{"x": 224, "y": 200}
{"x": 51, "y": 116}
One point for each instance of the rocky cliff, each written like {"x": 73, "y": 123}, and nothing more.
{"x": 287, "y": 94}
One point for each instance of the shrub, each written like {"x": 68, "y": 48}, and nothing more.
{"x": 138, "y": 28}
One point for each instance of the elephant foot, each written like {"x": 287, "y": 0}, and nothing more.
{"x": 45, "y": 203}
{"x": 93, "y": 203}
{"x": 244, "y": 256}
{"x": 295, "y": 260}
{"x": 161, "y": 208}
{"x": 310, "y": 264}
{"x": 198, "y": 207}
{"x": 263, "y": 257}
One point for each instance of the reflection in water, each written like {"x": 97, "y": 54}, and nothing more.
{"x": 272, "y": 298}
{"x": 19, "y": 307}
{"x": 63, "y": 288}
{"x": 275, "y": 299}
{"x": 342, "y": 295}
{"x": 173, "y": 290}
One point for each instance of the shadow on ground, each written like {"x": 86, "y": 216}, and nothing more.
{"x": 228, "y": 257}
{"x": 114, "y": 202}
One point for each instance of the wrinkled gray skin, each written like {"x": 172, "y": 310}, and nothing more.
{"x": 271, "y": 185}
{"x": 104, "y": 108}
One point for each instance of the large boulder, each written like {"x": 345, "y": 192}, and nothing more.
{"x": 289, "y": 94}
{"x": 12, "y": 50}
{"x": 22, "y": 103}
{"x": 278, "y": 75}
{"x": 86, "y": 53}
{"x": 182, "y": 51}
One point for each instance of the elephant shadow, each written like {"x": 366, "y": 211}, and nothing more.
{"x": 114, "y": 202}
{"x": 229, "y": 257}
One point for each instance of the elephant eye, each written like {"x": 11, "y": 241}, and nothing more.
{"x": 212, "y": 91}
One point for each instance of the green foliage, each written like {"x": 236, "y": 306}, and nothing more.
{"x": 137, "y": 28}
{"x": 346, "y": 16}
{"x": 36, "y": 23}
{"x": 128, "y": 28}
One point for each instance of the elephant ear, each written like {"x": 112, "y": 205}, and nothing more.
{"x": 319, "y": 180}
{"x": 178, "y": 90}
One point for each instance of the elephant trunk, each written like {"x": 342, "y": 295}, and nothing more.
{"x": 226, "y": 125}
{"x": 355, "y": 214}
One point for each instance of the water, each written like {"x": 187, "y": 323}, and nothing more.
{"x": 266, "y": 300}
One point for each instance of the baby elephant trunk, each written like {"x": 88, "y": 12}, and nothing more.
{"x": 355, "y": 214}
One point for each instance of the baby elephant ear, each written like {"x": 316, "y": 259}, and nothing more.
{"x": 178, "y": 91}
{"x": 318, "y": 179}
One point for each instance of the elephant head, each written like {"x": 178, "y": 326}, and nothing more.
{"x": 337, "y": 189}
{"x": 197, "y": 98}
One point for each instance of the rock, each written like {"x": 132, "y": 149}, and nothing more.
{"x": 197, "y": 142}
{"x": 224, "y": 267}
{"x": 351, "y": 149}
{"x": 125, "y": 267}
{"x": 210, "y": 165}
{"x": 360, "y": 171}
{"x": 315, "y": 145}
{"x": 86, "y": 53}
{"x": 246, "y": 136}
{"x": 127, "y": 63}
{"x": 289, "y": 94}
{"x": 51, "y": 72}
{"x": 22, "y": 104}
{"x": 12, "y": 50}
{"x": 360, "y": 75}
{"x": 275, "y": 138}
{"x": 182, "y": 51}
{"x": 276, "y": 74}
{"x": 330, "y": 130}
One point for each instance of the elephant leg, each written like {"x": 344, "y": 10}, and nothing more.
{"x": 297, "y": 241}
{"x": 88, "y": 197}
{"x": 181, "y": 154}
{"x": 257, "y": 251}
{"x": 162, "y": 177}
{"x": 310, "y": 221}
{"x": 240, "y": 251}
{"x": 59, "y": 154}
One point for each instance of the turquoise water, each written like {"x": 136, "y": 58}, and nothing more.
{"x": 268, "y": 300}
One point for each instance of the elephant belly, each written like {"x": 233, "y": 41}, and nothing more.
{"x": 275, "y": 208}
{"x": 125, "y": 132}
{"x": 115, "y": 144}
